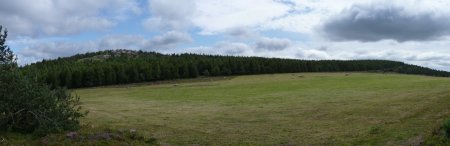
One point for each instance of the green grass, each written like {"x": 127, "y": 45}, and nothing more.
{"x": 280, "y": 109}
{"x": 299, "y": 109}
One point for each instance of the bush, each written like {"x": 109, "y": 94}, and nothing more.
{"x": 446, "y": 128}
{"x": 28, "y": 106}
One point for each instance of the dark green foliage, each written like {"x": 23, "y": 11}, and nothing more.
{"x": 440, "y": 136}
{"x": 29, "y": 106}
{"x": 125, "y": 66}
{"x": 447, "y": 128}
{"x": 6, "y": 55}
{"x": 206, "y": 73}
{"x": 193, "y": 70}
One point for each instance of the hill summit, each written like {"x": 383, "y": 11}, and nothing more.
{"x": 112, "y": 67}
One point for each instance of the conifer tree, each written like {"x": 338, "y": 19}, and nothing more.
{"x": 29, "y": 106}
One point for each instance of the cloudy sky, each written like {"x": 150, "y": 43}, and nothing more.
{"x": 413, "y": 31}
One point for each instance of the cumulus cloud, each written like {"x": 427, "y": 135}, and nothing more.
{"x": 169, "y": 39}
{"x": 50, "y": 50}
{"x": 211, "y": 16}
{"x": 233, "y": 48}
{"x": 170, "y": 15}
{"x": 312, "y": 54}
{"x": 273, "y": 44}
{"x": 375, "y": 22}
{"x": 60, "y": 17}
{"x": 218, "y": 16}
{"x": 304, "y": 15}
{"x": 241, "y": 32}
{"x": 264, "y": 47}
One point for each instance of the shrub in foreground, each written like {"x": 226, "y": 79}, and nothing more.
{"x": 447, "y": 128}
{"x": 28, "y": 106}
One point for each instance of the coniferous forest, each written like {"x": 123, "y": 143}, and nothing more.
{"x": 125, "y": 66}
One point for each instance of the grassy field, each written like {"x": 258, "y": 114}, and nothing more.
{"x": 280, "y": 109}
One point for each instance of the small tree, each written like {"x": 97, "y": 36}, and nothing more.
{"x": 28, "y": 106}
{"x": 7, "y": 57}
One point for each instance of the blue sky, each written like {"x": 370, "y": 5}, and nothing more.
{"x": 412, "y": 31}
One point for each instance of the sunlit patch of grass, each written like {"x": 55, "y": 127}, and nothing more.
{"x": 311, "y": 109}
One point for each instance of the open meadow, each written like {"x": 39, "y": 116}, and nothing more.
{"x": 278, "y": 109}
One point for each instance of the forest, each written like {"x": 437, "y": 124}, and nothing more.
{"x": 113, "y": 67}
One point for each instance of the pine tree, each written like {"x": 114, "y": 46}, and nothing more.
{"x": 7, "y": 57}
{"x": 100, "y": 76}
{"x": 206, "y": 73}
{"x": 193, "y": 70}
{"x": 156, "y": 71}
{"x": 148, "y": 73}
{"x": 77, "y": 79}
{"x": 184, "y": 71}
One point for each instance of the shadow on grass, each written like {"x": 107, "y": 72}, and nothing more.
{"x": 86, "y": 136}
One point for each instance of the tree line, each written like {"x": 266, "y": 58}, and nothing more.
{"x": 125, "y": 66}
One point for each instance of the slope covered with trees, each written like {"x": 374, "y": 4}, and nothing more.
{"x": 125, "y": 66}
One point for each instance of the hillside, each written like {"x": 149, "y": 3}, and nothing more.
{"x": 127, "y": 66}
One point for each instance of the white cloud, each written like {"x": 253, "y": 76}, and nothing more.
{"x": 312, "y": 54}
{"x": 212, "y": 16}
{"x": 170, "y": 15}
{"x": 51, "y": 50}
{"x": 216, "y": 16}
{"x": 233, "y": 48}
{"x": 273, "y": 44}
{"x": 169, "y": 39}
{"x": 305, "y": 15}
{"x": 242, "y": 33}
{"x": 61, "y": 17}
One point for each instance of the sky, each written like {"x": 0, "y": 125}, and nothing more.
{"x": 412, "y": 31}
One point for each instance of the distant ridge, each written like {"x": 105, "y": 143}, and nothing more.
{"x": 127, "y": 66}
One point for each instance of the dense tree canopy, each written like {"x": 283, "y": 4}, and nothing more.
{"x": 125, "y": 66}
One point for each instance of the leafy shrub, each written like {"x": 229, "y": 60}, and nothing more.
{"x": 28, "y": 106}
